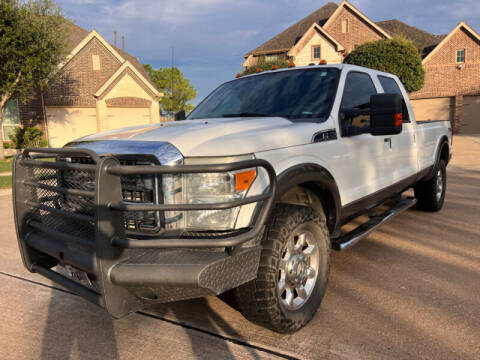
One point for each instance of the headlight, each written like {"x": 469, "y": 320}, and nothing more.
{"x": 216, "y": 188}
{"x": 206, "y": 188}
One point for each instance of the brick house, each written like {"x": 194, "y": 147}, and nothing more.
{"x": 100, "y": 87}
{"x": 452, "y": 62}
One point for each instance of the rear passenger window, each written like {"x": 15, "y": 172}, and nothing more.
{"x": 390, "y": 86}
{"x": 356, "y": 95}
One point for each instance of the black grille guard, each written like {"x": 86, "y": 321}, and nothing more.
{"x": 43, "y": 246}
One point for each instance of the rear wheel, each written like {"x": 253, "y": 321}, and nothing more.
{"x": 293, "y": 272}
{"x": 431, "y": 194}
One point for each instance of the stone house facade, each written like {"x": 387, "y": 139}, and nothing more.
{"x": 452, "y": 62}
{"x": 100, "y": 87}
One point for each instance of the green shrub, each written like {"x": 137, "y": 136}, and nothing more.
{"x": 6, "y": 145}
{"x": 27, "y": 137}
{"x": 397, "y": 56}
{"x": 265, "y": 66}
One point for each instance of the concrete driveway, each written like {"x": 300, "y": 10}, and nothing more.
{"x": 410, "y": 290}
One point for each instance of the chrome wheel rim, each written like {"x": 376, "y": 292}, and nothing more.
{"x": 298, "y": 270}
{"x": 439, "y": 185}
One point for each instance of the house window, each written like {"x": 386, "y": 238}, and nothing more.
{"x": 316, "y": 52}
{"x": 461, "y": 56}
{"x": 96, "y": 62}
{"x": 345, "y": 26}
{"x": 271, "y": 58}
{"x": 11, "y": 118}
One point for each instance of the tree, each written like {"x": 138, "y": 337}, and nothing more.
{"x": 32, "y": 44}
{"x": 176, "y": 88}
{"x": 397, "y": 56}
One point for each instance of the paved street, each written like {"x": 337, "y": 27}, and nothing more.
{"x": 410, "y": 290}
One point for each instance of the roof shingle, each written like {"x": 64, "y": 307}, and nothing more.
{"x": 289, "y": 37}
{"x": 424, "y": 41}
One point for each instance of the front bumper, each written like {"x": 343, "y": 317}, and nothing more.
{"x": 126, "y": 272}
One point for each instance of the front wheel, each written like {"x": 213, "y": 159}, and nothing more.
{"x": 293, "y": 272}
{"x": 431, "y": 194}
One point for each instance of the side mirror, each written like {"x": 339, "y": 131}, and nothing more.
{"x": 359, "y": 127}
{"x": 386, "y": 114}
{"x": 180, "y": 115}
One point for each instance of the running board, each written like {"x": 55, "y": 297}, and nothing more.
{"x": 354, "y": 236}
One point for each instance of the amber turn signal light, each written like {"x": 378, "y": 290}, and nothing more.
{"x": 244, "y": 179}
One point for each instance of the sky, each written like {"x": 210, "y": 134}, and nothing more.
{"x": 210, "y": 37}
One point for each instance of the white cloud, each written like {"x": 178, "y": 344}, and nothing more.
{"x": 211, "y": 36}
{"x": 462, "y": 9}
{"x": 170, "y": 12}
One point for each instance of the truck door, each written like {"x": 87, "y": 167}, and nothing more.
{"x": 402, "y": 158}
{"x": 361, "y": 163}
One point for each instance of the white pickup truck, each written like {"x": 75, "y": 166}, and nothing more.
{"x": 247, "y": 195}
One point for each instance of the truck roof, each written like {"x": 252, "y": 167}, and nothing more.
{"x": 337, "y": 66}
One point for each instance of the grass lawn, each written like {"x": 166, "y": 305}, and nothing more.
{"x": 5, "y": 165}
{"x": 5, "y": 182}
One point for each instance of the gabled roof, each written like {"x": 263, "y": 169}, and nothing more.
{"x": 461, "y": 25}
{"x": 424, "y": 41}
{"x": 79, "y": 37}
{"x": 315, "y": 28}
{"x": 122, "y": 70}
{"x": 345, "y": 4}
{"x": 289, "y": 37}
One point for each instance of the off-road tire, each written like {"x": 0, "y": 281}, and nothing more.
{"x": 258, "y": 300}
{"x": 426, "y": 191}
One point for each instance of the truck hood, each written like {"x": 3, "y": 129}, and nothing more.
{"x": 219, "y": 137}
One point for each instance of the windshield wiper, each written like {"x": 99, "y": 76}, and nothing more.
{"x": 246, "y": 114}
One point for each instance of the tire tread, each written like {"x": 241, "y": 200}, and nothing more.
{"x": 257, "y": 299}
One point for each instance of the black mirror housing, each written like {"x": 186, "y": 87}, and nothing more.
{"x": 180, "y": 115}
{"x": 386, "y": 114}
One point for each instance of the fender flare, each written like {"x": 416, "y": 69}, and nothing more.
{"x": 323, "y": 180}
{"x": 441, "y": 145}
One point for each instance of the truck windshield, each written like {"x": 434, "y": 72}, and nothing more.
{"x": 299, "y": 95}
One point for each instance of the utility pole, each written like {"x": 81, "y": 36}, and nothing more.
{"x": 171, "y": 79}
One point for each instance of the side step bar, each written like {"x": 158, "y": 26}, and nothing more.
{"x": 345, "y": 241}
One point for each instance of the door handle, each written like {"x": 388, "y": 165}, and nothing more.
{"x": 389, "y": 140}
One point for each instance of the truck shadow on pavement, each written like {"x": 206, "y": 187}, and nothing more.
{"x": 71, "y": 326}
{"x": 76, "y": 329}
{"x": 199, "y": 311}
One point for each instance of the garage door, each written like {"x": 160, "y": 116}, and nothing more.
{"x": 471, "y": 115}
{"x": 67, "y": 124}
{"x": 124, "y": 117}
{"x": 433, "y": 109}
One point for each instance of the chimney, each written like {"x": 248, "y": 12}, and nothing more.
{"x": 115, "y": 38}
{"x": 123, "y": 42}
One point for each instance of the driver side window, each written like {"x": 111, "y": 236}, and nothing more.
{"x": 356, "y": 95}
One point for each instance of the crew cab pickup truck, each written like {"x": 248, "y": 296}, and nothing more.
{"x": 247, "y": 195}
